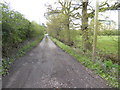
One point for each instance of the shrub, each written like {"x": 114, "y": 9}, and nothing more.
{"x": 16, "y": 29}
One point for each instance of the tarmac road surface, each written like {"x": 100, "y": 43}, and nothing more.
{"x": 47, "y": 66}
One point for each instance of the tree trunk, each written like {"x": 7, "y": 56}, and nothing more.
{"x": 95, "y": 31}
{"x": 85, "y": 38}
{"x": 68, "y": 30}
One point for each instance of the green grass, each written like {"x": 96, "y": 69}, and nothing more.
{"x": 106, "y": 69}
{"x": 6, "y": 62}
{"x": 105, "y": 44}
{"x": 108, "y": 44}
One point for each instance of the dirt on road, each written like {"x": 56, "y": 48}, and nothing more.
{"x": 47, "y": 66}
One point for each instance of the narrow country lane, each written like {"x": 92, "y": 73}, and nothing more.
{"x": 47, "y": 66}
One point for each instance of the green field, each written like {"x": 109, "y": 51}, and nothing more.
{"x": 105, "y": 44}
{"x": 108, "y": 44}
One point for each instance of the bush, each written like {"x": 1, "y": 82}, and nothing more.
{"x": 16, "y": 29}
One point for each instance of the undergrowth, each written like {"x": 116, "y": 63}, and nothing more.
{"x": 6, "y": 62}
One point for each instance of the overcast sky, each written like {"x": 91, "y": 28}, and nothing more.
{"x": 34, "y": 9}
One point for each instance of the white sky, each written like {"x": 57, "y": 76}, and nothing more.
{"x": 34, "y": 9}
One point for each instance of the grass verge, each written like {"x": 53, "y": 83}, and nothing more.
{"x": 107, "y": 47}
{"x": 106, "y": 69}
{"x": 6, "y": 62}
